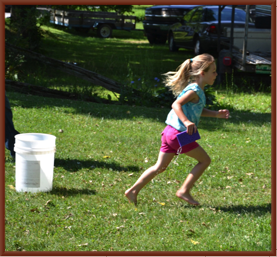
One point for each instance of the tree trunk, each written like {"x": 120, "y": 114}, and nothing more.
{"x": 24, "y": 23}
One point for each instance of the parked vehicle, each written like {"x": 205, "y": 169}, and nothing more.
{"x": 158, "y": 19}
{"x": 258, "y": 50}
{"x": 251, "y": 10}
{"x": 263, "y": 16}
{"x": 249, "y": 51}
{"x": 199, "y": 28}
{"x": 104, "y": 22}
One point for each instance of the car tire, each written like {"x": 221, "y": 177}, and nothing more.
{"x": 156, "y": 40}
{"x": 172, "y": 45}
{"x": 197, "y": 46}
{"x": 150, "y": 39}
{"x": 161, "y": 40}
{"x": 104, "y": 31}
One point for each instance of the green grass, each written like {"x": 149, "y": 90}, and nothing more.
{"x": 125, "y": 57}
{"x": 102, "y": 152}
{"x": 124, "y": 53}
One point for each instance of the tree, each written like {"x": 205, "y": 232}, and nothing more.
{"x": 104, "y": 8}
{"x": 24, "y": 26}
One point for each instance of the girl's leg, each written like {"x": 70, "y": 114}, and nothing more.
{"x": 203, "y": 162}
{"x": 163, "y": 161}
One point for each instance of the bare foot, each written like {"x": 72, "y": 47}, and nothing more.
{"x": 131, "y": 195}
{"x": 187, "y": 197}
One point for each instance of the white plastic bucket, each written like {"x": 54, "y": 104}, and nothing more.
{"x": 34, "y": 159}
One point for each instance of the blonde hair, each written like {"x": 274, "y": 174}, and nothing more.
{"x": 186, "y": 72}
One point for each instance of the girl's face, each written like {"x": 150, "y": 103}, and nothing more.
{"x": 210, "y": 76}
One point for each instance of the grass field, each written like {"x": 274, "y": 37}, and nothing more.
{"x": 104, "y": 148}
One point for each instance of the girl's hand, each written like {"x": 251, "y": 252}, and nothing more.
{"x": 191, "y": 127}
{"x": 223, "y": 114}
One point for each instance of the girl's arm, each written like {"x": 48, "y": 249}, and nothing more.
{"x": 223, "y": 114}
{"x": 189, "y": 96}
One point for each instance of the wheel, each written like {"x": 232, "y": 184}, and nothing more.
{"x": 104, "y": 31}
{"x": 160, "y": 40}
{"x": 150, "y": 39}
{"x": 156, "y": 40}
{"x": 172, "y": 45}
{"x": 197, "y": 47}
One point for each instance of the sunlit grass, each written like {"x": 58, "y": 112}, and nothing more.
{"x": 104, "y": 149}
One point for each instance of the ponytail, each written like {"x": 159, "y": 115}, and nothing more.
{"x": 187, "y": 72}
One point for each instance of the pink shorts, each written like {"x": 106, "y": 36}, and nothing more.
{"x": 170, "y": 142}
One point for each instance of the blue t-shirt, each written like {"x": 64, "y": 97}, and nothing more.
{"x": 193, "y": 111}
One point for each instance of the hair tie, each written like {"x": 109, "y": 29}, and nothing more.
{"x": 191, "y": 60}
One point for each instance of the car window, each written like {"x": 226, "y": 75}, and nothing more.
{"x": 197, "y": 15}
{"x": 211, "y": 14}
{"x": 188, "y": 16}
{"x": 240, "y": 15}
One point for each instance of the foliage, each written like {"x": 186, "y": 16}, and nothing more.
{"x": 23, "y": 30}
{"x": 211, "y": 101}
{"x": 139, "y": 11}
{"x": 23, "y": 24}
{"x": 102, "y": 8}
{"x": 239, "y": 81}
{"x": 164, "y": 95}
{"x": 13, "y": 63}
{"x": 158, "y": 95}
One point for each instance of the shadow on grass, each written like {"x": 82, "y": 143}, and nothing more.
{"x": 238, "y": 118}
{"x": 258, "y": 210}
{"x": 76, "y": 165}
{"x": 122, "y": 112}
{"x": 71, "y": 191}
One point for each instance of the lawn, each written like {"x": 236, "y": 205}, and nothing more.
{"x": 104, "y": 148}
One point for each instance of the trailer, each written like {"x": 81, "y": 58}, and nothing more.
{"x": 247, "y": 50}
{"x": 104, "y": 22}
{"x": 257, "y": 56}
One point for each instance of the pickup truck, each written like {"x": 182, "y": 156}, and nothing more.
{"x": 159, "y": 18}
